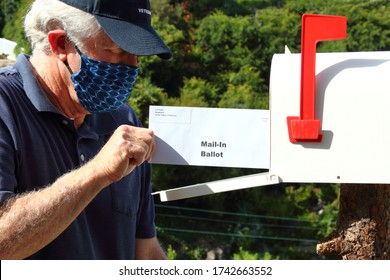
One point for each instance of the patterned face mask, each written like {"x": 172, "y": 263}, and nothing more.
{"x": 103, "y": 86}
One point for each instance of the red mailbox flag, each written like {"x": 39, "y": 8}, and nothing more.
{"x": 315, "y": 28}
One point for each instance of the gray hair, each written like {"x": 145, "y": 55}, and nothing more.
{"x": 47, "y": 15}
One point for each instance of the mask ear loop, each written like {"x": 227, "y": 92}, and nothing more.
{"x": 67, "y": 64}
{"x": 78, "y": 50}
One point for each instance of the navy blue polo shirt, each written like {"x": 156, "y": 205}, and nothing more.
{"x": 38, "y": 145}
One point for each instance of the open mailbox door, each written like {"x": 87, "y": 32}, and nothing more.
{"x": 329, "y": 117}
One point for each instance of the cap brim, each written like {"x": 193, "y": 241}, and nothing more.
{"x": 138, "y": 39}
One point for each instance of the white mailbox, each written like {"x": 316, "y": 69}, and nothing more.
{"x": 353, "y": 106}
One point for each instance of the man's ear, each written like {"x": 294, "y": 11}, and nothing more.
{"x": 58, "y": 43}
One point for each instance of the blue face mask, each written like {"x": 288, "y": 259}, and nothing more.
{"x": 103, "y": 86}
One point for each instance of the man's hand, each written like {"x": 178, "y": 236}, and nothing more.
{"x": 127, "y": 148}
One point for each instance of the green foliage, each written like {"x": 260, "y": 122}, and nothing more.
{"x": 220, "y": 39}
{"x": 369, "y": 26}
{"x": 237, "y": 52}
{"x": 166, "y": 74}
{"x": 243, "y": 254}
{"x": 7, "y": 12}
{"x": 368, "y": 23}
{"x": 244, "y": 90}
{"x": 198, "y": 253}
{"x": 179, "y": 248}
{"x": 202, "y": 8}
{"x": 196, "y": 92}
{"x": 318, "y": 203}
{"x": 145, "y": 94}
{"x": 171, "y": 253}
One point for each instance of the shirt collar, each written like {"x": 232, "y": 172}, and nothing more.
{"x": 32, "y": 87}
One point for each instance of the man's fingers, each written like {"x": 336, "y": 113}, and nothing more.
{"x": 140, "y": 144}
{"x": 137, "y": 153}
{"x": 127, "y": 148}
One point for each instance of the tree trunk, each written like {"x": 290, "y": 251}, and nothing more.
{"x": 363, "y": 226}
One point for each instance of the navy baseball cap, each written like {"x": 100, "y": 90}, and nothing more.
{"x": 127, "y": 23}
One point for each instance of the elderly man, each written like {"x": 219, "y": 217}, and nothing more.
{"x": 74, "y": 177}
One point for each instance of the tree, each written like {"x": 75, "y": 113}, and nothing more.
{"x": 362, "y": 230}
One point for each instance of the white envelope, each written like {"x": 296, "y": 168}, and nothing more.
{"x": 211, "y": 136}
